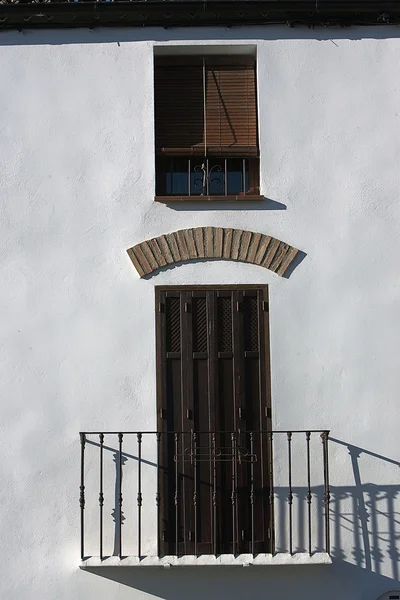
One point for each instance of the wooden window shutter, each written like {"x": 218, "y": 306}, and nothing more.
{"x": 205, "y": 109}
{"x": 231, "y": 113}
{"x": 179, "y": 101}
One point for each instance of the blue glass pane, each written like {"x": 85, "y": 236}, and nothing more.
{"x": 235, "y": 175}
{"x": 177, "y": 177}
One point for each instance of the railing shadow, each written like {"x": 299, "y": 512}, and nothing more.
{"x": 365, "y": 533}
{"x": 371, "y": 542}
{"x": 117, "y": 515}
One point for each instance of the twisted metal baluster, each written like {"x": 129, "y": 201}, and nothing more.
{"x": 327, "y": 496}
{"x": 176, "y": 499}
{"x": 120, "y": 439}
{"x": 158, "y": 438}
{"x": 233, "y": 494}
{"x": 214, "y": 493}
{"x": 195, "y": 489}
{"x": 309, "y": 495}
{"x": 252, "y": 490}
{"x": 271, "y": 492}
{"x": 139, "y": 495}
{"x": 290, "y": 494}
{"x": 82, "y": 494}
{"x": 101, "y": 495}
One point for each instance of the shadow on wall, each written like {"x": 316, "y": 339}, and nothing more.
{"x": 300, "y": 256}
{"x": 340, "y": 581}
{"x": 366, "y": 512}
{"x": 266, "y": 204}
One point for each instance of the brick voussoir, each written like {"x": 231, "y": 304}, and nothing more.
{"x": 214, "y": 243}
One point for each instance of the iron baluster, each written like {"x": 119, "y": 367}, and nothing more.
{"x": 290, "y": 494}
{"x": 158, "y": 438}
{"x": 325, "y": 437}
{"x": 271, "y": 492}
{"x": 101, "y": 495}
{"x": 176, "y": 494}
{"x": 226, "y": 176}
{"x": 82, "y": 494}
{"x": 309, "y": 495}
{"x": 252, "y": 490}
{"x": 120, "y": 438}
{"x": 214, "y": 494}
{"x": 233, "y": 494}
{"x": 195, "y": 489}
{"x": 139, "y": 495}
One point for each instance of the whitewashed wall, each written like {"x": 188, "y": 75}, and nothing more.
{"x": 77, "y": 326}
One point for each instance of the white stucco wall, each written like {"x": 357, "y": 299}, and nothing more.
{"x": 77, "y": 326}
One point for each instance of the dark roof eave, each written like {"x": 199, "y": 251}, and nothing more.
{"x": 184, "y": 13}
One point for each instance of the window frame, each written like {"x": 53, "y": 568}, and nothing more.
{"x": 249, "y": 175}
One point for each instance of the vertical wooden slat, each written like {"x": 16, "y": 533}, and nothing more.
{"x": 238, "y": 356}
{"x": 187, "y": 413}
{"x": 201, "y": 403}
{"x": 213, "y": 421}
{"x": 264, "y": 423}
{"x": 225, "y": 409}
{"x": 162, "y": 447}
{"x": 242, "y": 494}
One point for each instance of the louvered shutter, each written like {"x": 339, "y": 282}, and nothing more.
{"x": 231, "y": 111}
{"x": 179, "y": 112}
{"x": 220, "y": 120}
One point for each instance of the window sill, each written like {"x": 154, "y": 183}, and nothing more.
{"x": 209, "y": 560}
{"x": 232, "y": 198}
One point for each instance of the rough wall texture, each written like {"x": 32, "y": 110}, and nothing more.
{"x": 212, "y": 242}
{"x": 77, "y": 328}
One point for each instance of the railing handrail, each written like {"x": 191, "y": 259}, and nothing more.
{"x": 273, "y": 431}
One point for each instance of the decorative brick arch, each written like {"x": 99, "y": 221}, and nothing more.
{"x": 212, "y": 242}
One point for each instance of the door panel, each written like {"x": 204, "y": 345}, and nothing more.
{"x": 213, "y": 415}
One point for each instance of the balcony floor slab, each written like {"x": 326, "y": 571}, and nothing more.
{"x": 209, "y": 560}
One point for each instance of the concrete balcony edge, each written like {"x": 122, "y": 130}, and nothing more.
{"x": 209, "y": 560}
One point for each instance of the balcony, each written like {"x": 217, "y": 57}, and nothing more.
{"x": 204, "y": 498}
{"x": 17, "y": 14}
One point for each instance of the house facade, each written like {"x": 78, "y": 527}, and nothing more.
{"x": 199, "y": 254}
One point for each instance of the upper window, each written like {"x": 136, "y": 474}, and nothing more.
{"x": 206, "y": 128}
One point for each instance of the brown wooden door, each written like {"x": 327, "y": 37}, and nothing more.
{"x": 213, "y": 412}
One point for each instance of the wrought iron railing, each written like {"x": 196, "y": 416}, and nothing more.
{"x": 131, "y": 488}
{"x": 197, "y": 176}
